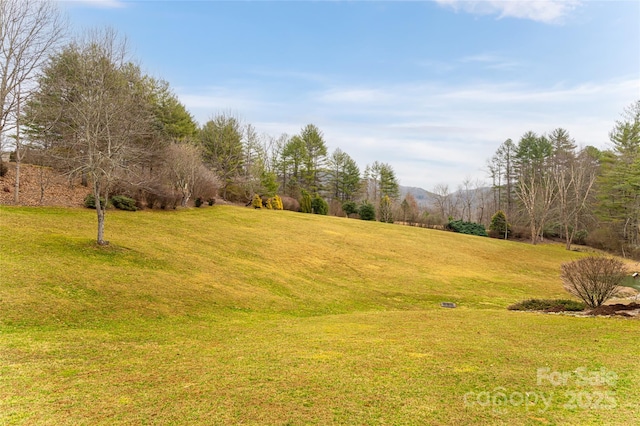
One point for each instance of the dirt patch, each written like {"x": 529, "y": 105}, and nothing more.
{"x": 625, "y": 310}
{"x": 41, "y": 186}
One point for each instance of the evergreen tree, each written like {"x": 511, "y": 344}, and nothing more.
{"x": 619, "y": 185}
{"x": 344, "y": 176}
{"x": 499, "y": 224}
{"x": 319, "y": 205}
{"x": 315, "y": 157}
{"x": 221, "y": 141}
{"x": 305, "y": 203}
{"x": 367, "y": 211}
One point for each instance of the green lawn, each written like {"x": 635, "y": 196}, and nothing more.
{"x": 227, "y": 315}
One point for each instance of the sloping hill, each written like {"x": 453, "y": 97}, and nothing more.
{"x": 226, "y": 315}
{"x": 260, "y": 260}
{"x": 41, "y": 186}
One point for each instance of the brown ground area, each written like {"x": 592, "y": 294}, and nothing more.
{"x": 625, "y": 310}
{"x": 41, "y": 186}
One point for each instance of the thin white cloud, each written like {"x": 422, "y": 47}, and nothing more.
{"x": 547, "y": 11}
{"x": 491, "y": 61}
{"x": 429, "y": 132}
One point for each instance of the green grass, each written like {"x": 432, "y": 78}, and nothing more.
{"x": 228, "y": 315}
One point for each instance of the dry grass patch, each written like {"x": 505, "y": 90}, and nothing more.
{"x": 226, "y": 316}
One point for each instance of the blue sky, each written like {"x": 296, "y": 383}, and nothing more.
{"x": 430, "y": 87}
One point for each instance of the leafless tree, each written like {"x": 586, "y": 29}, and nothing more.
{"x": 30, "y": 30}
{"x": 444, "y": 201}
{"x": 593, "y": 279}
{"x": 537, "y": 194}
{"x": 574, "y": 180}
{"x": 467, "y": 195}
{"x": 481, "y": 207}
{"x": 183, "y": 163}
{"x": 97, "y": 114}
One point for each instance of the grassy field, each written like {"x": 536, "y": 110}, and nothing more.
{"x": 226, "y": 315}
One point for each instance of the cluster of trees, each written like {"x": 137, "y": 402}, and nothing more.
{"x": 85, "y": 108}
{"x": 546, "y": 185}
{"x": 553, "y": 187}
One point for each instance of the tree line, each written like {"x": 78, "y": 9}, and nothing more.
{"x": 548, "y": 186}
{"x": 553, "y": 187}
{"x": 85, "y": 108}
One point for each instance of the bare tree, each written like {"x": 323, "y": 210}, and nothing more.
{"x": 445, "y": 202}
{"x": 30, "y": 30}
{"x": 96, "y": 114}
{"x": 593, "y": 279}
{"x": 183, "y": 162}
{"x": 481, "y": 207}
{"x": 467, "y": 194}
{"x": 536, "y": 187}
{"x": 574, "y": 179}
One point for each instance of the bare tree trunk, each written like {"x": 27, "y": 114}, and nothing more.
{"x": 99, "y": 209}
{"x": 16, "y": 192}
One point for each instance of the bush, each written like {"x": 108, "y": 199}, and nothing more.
{"x": 276, "y": 202}
{"x": 580, "y": 237}
{"x": 305, "y": 203}
{"x": 256, "y": 202}
{"x": 367, "y": 211}
{"x": 467, "y": 228}
{"x": 548, "y": 305}
{"x": 604, "y": 238}
{"x": 197, "y": 202}
{"x": 593, "y": 279}
{"x": 3, "y": 168}
{"x": 90, "y": 201}
{"x": 290, "y": 203}
{"x": 349, "y": 207}
{"x": 499, "y": 225}
{"x": 319, "y": 205}
{"x": 211, "y": 201}
{"x": 124, "y": 203}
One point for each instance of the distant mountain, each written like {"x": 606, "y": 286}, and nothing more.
{"x": 422, "y": 196}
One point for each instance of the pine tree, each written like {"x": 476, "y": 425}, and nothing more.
{"x": 499, "y": 224}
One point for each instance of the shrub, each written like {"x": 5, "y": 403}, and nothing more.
{"x": 90, "y": 201}
{"x": 580, "y": 237}
{"x": 319, "y": 205}
{"x": 593, "y": 279}
{"x": 197, "y": 202}
{"x": 467, "y": 228}
{"x": 349, "y": 207}
{"x": 305, "y": 203}
{"x": 555, "y": 305}
{"x": 276, "y": 202}
{"x": 367, "y": 211}
{"x": 211, "y": 201}
{"x": 256, "y": 202}
{"x": 605, "y": 238}
{"x": 290, "y": 203}
{"x": 3, "y": 168}
{"x": 124, "y": 203}
{"x": 499, "y": 225}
